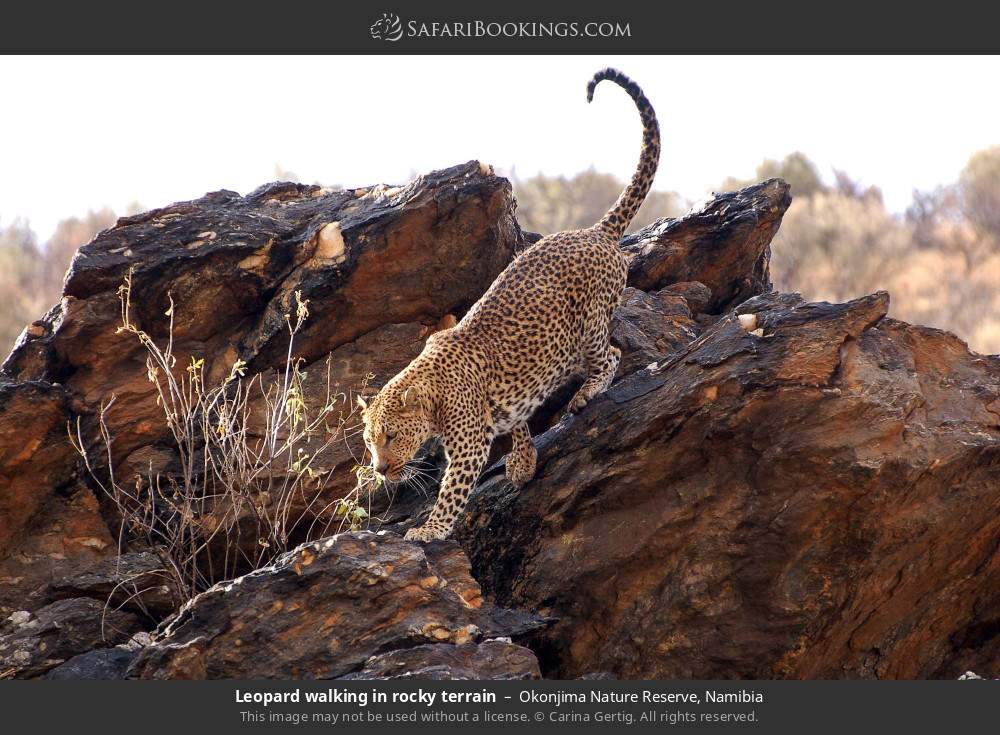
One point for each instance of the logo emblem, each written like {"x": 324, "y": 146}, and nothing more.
{"x": 387, "y": 28}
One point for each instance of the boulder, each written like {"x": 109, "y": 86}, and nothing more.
{"x": 724, "y": 244}
{"x": 366, "y": 259}
{"x": 817, "y": 496}
{"x": 36, "y": 460}
{"x": 49, "y": 521}
{"x": 326, "y": 608}
{"x": 381, "y": 267}
{"x": 649, "y": 326}
{"x": 33, "y": 643}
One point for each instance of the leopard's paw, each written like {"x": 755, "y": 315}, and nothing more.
{"x": 520, "y": 469}
{"x": 425, "y": 533}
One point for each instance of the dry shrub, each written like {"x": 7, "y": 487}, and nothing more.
{"x": 254, "y": 460}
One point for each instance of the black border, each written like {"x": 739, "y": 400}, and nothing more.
{"x": 336, "y": 27}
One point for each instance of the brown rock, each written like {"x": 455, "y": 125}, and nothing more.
{"x": 134, "y": 581}
{"x": 65, "y": 536}
{"x": 380, "y": 267}
{"x": 814, "y": 499}
{"x": 35, "y": 457}
{"x": 400, "y": 256}
{"x": 820, "y": 501}
{"x": 648, "y": 327}
{"x": 326, "y": 608}
{"x": 49, "y": 523}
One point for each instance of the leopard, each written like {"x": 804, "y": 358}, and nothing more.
{"x": 544, "y": 321}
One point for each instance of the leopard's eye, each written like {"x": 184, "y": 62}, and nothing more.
{"x": 390, "y": 435}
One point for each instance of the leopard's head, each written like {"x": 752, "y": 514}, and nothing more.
{"x": 398, "y": 420}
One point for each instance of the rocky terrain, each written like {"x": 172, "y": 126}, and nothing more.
{"x": 771, "y": 488}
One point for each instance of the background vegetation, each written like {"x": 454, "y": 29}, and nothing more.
{"x": 940, "y": 259}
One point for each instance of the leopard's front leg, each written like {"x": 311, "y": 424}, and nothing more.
{"x": 467, "y": 455}
{"x": 523, "y": 456}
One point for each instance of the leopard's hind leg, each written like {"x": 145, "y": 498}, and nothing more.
{"x": 602, "y": 365}
{"x": 599, "y": 356}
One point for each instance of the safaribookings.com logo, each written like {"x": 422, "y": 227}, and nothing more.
{"x": 387, "y": 28}
{"x": 390, "y": 28}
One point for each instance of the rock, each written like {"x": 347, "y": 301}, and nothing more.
{"x": 31, "y": 644}
{"x": 326, "y": 608}
{"x": 103, "y": 663}
{"x": 724, "y": 244}
{"x": 494, "y": 659}
{"x": 232, "y": 265}
{"x": 648, "y": 327}
{"x": 66, "y": 533}
{"x": 135, "y": 581}
{"x": 35, "y": 458}
{"x": 808, "y": 491}
{"x": 381, "y": 267}
{"x": 817, "y": 502}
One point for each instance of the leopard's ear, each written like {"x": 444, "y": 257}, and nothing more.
{"x": 414, "y": 398}
{"x": 410, "y": 397}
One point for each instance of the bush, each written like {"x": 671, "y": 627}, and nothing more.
{"x": 243, "y": 491}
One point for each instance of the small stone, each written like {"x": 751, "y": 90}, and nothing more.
{"x": 20, "y": 617}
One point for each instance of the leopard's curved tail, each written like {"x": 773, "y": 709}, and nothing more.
{"x": 621, "y": 214}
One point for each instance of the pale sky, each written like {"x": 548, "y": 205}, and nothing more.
{"x": 79, "y": 133}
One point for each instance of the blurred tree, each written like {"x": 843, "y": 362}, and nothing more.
{"x": 282, "y": 174}
{"x": 70, "y": 234}
{"x": 20, "y": 281}
{"x": 548, "y": 204}
{"x": 836, "y": 247}
{"x": 795, "y": 168}
{"x": 845, "y": 185}
{"x": 933, "y": 211}
{"x": 979, "y": 187}
{"x": 31, "y": 278}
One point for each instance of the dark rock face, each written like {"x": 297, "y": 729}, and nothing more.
{"x": 325, "y": 609}
{"x": 132, "y": 581}
{"x": 103, "y": 663}
{"x": 724, "y": 245}
{"x": 33, "y": 643}
{"x": 797, "y": 504}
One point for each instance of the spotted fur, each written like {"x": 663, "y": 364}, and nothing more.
{"x": 544, "y": 319}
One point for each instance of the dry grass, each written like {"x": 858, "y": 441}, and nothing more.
{"x": 254, "y": 459}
